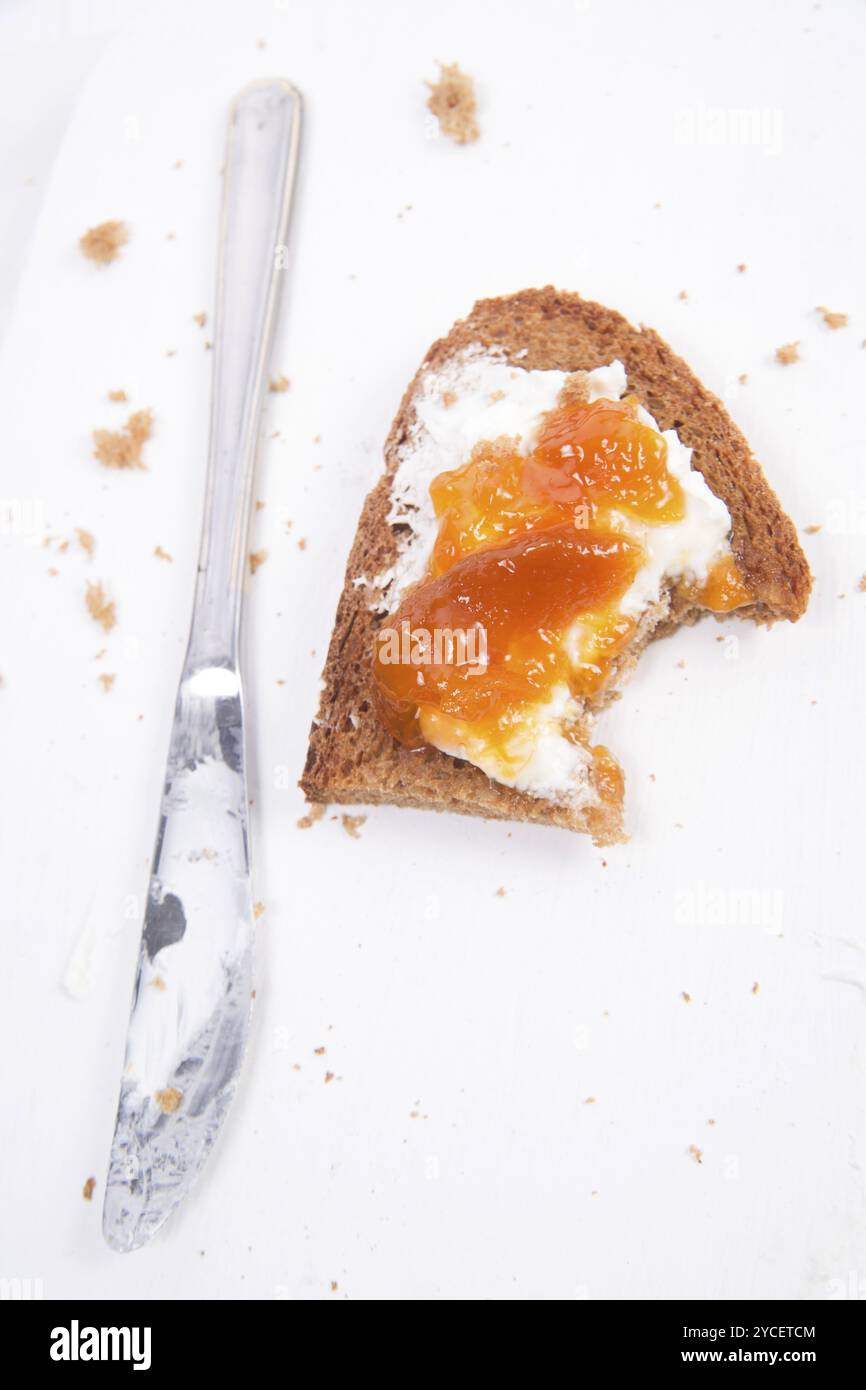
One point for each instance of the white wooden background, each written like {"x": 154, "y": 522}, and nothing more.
{"x": 454, "y": 1154}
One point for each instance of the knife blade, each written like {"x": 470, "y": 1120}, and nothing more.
{"x": 193, "y": 988}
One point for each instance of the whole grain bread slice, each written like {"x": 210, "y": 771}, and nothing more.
{"x": 351, "y": 758}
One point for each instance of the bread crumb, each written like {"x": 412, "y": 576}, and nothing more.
{"x": 696, "y": 1153}
{"x": 319, "y": 1051}
{"x": 102, "y": 244}
{"x": 329, "y": 1076}
{"x": 88, "y": 1188}
{"x": 449, "y": 398}
{"x": 862, "y": 584}
{"x": 452, "y": 101}
{"x": 168, "y": 1100}
{"x": 259, "y": 505}
{"x": 53, "y": 572}
{"x": 788, "y": 353}
{"x": 575, "y": 390}
{"x": 742, "y": 267}
{"x": 316, "y": 811}
{"x": 686, "y": 997}
{"x": 500, "y": 892}
{"x": 832, "y": 320}
{"x": 161, "y": 554}
{"x": 100, "y": 608}
{"x": 812, "y": 530}
{"x": 590, "y": 1100}
{"x": 122, "y": 448}
{"x": 352, "y": 825}
{"x": 200, "y": 319}
{"x": 755, "y": 987}
{"x": 106, "y": 681}
{"x": 257, "y": 558}
{"x": 683, "y": 294}
{"x": 159, "y": 983}
{"x": 302, "y": 543}
{"x": 334, "y": 1286}
{"x": 118, "y": 395}
{"x": 743, "y": 378}
{"x": 279, "y": 385}
{"x": 85, "y": 540}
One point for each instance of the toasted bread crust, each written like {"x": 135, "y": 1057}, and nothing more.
{"x": 351, "y": 758}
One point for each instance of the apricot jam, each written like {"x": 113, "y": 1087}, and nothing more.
{"x": 535, "y": 551}
{"x": 587, "y": 459}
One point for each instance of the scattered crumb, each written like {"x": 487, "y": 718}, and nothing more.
{"x": 102, "y": 244}
{"x": 315, "y": 813}
{"x": 711, "y": 1122}
{"x": 500, "y": 892}
{"x": 257, "y": 558}
{"x": 743, "y": 378}
{"x": 258, "y": 909}
{"x": 788, "y": 353}
{"x": 319, "y": 1051}
{"x": 681, "y": 664}
{"x": 652, "y": 777}
{"x": 200, "y": 319}
{"x": 259, "y": 505}
{"x": 832, "y": 320}
{"x": 106, "y": 681}
{"x": 118, "y": 395}
{"x": 88, "y": 1188}
{"x": 452, "y": 101}
{"x": 756, "y": 987}
{"x": 696, "y": 1153}
{"x": 352, "y": 825}
{"x": 742, "y": 267}
{"x": 683, "y": 294}
{"x": 158, "y": 983}
{"x": 161, "y": 554}
{"x": 100, "y": 608}
{"x": 329, "y": 1076}
{"x": 862, "y": 584}
{"x": 686, "y": 997}
{"x": 812, "y": 530}
{"x": 496, "y": 396}
{"x": 449, "y": 398}
{"x": 334, "y": 1286}
{"x": 122, "y": 448}
{"x": 85, "y": 540}
{"x": 590, "y": 1100}
{"x": 168, "y": 1100}
{"x": 279, "y": 385}
{"x": 302, "y": 543}
{"x": 53, "y": 572}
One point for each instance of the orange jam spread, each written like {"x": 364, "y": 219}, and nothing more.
{"x": 535, "y": 553}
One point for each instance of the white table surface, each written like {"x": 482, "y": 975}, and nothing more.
{"x": 453, "y": 1155}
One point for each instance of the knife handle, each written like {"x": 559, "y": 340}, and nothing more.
{"x": 259, "y": 175}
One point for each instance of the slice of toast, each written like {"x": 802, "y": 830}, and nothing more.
{"x": 351, "y": 757}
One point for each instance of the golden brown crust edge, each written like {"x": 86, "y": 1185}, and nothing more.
{"x": 351, "y": 758}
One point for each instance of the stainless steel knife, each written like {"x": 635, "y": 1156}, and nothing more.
{"x": 193, "y": 987}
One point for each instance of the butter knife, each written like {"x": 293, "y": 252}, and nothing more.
{"x": 193, "y": 987}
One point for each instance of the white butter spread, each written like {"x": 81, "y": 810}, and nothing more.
{"x": 477, "y": 396}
